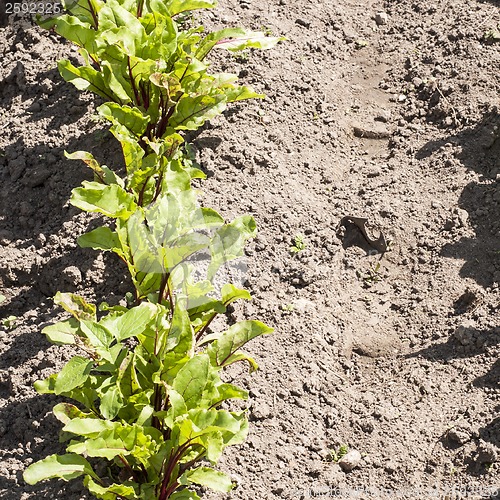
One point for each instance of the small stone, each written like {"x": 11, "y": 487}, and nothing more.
{"x": 381, "y": 18}
{"x": 303, "y": 22}
{"x": 36, "y": 107}
{"x": 350, "y": 460}
{"x": 464, "y": 334}
{"x": 72, "y": 275}
{"x": 374, "y": 171}
{"x": 458, "y": 435}
{"x": 383, "y": 116}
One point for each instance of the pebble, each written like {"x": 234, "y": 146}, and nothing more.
{"x": 381, "y": 18}
{"x": 350, "y": 460}
{"x": 459, "y": 436}
{"x": 303, "y": 22}
{"x": 36, "y": 107}
{"x": 383, "y": 116}
{"x": 72, "y": 275}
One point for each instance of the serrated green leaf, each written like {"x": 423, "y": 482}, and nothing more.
{"x": 74, "y": 373}
{"x": 64, "y": 467}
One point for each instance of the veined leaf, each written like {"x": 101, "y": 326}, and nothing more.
{"x": 73, "y": 374}
{"x": 110, "y": 492}
{"x": 192, "y": 379}
{"x": 229, "y": 241}
{"x": 192, "y": 112}
{"x": 63, "y": 332}
{"x": 205, "y": 476}
{"x": 175, "y": 7}
{"x": 131, "y": 118}
{"x": 234, "y": 338}
{"x": 112, "y": 200}
{"x": 101, "y": 238}
{"x": 64, "y": 467}
{"x": 65, "y": 412}
{"x": 76, "y": 305}
{"x": 86, "y": 78}
{"x": 230, "y": 294}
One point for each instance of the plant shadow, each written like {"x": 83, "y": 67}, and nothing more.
{"x": 479, "y": 147}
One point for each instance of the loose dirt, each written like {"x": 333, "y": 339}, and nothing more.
{"x": 383, "y": 110}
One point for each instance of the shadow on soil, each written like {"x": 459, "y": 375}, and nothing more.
{"x": 480, "y": 151}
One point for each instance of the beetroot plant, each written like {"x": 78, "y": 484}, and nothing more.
{"x": 150, "y": 414}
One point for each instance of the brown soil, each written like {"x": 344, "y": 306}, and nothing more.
{"x": 395, "y": 355}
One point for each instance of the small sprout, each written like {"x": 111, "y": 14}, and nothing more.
{"x": 2, "y": 298}
{"x": 299, "y": 243}
{"x": 492, "y": 36}
{"x": 9, "y": 322}
{"x": 361, "y": 43}
{"x": 372, "y": 276}
{"x": 342, "y": 451}
{"x": 288, "y": 308}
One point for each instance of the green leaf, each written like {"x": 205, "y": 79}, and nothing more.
{"x": 86, "y": 78}
{"x": 76, "y": 305}
{"x": 192, "y": 379}
{"x": 131, "y": 118}
{"x": 236, "y": 337}
{"x": 74, "y": 374}
{"x": 175, "y": 7}
{"x": 99, "y": 337}
{"x": 229, "y": 241}
{"x": 210, "y": 478}
{"x": 101, "y": 238}
{"x": 63, "y": 332}
{"x": 134, "y": 321}
{"x": 111, "y": 403}
{"x": 65, "y": 412}
{"x": 102, "y": 173}
{"x": 112, "y": 200}
{"x": 64, "y": 467}
{"x": 230, "y": 294}
{"x": 184, "y": 495}
{"x": 249, "y": 39}
{"x": 192, "y": 112}
{"x": 111, "y": 492}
